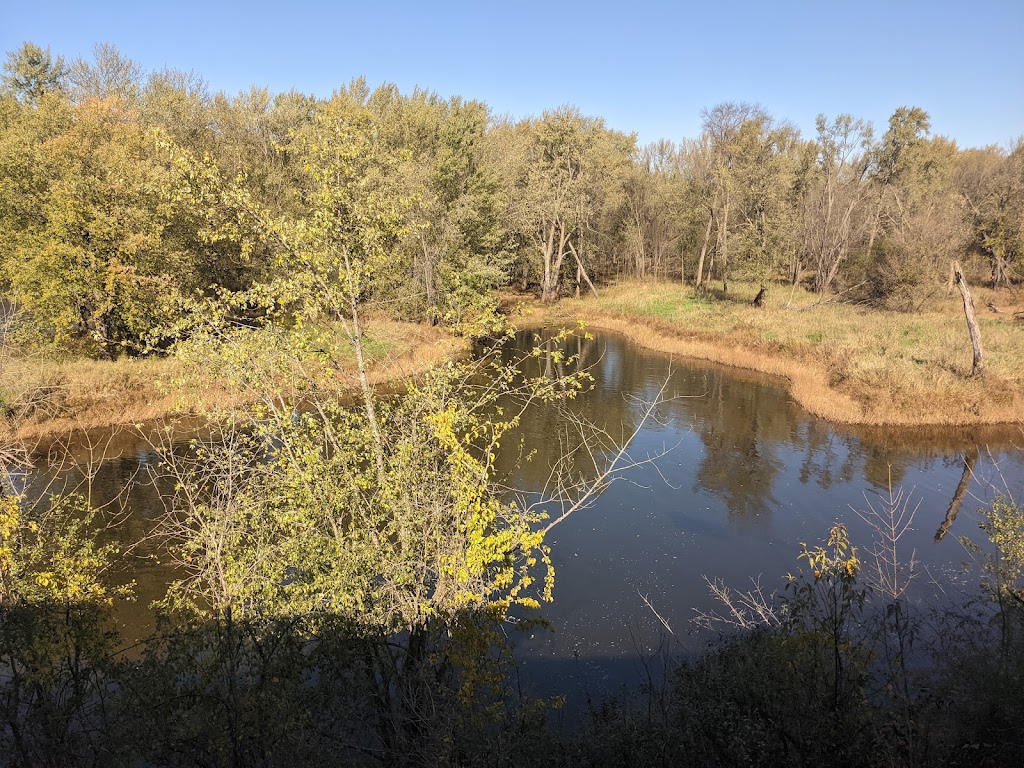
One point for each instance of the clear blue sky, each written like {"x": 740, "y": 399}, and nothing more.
{"x": 648, "y": 67}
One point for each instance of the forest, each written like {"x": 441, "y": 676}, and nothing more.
{"x": 346, "y": 559}
{"x": 129, "y": 197}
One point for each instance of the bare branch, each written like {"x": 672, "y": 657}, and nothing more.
{"x": 660, "y": 618}
{"x": 743, "y": 610}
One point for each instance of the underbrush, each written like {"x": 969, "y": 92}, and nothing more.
{"x": 839, "y": 669}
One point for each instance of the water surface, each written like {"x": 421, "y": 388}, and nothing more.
{"x": 747, "y": 477}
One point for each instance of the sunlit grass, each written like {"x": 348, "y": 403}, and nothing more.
{"x": 846, "y": 362}
{"x": 44, "y": 395}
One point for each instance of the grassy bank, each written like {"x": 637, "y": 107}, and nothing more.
{"x": 45, "y": 398}
{"x": 848, "y": 364}
{"x": 845, "y": 363}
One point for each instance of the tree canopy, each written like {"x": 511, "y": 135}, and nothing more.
{"x": 107, "y": 243}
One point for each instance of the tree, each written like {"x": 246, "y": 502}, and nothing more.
{"x": 387, "y": 521}
{"x": 991, "y": 182}
{"x": 698, "y": 158}
{"x": 567, "y": 177}
{"x": 55, "y": 595}
{"x": 766, "y": 165}
{"x": 178, "y": 103}
{"x": 110, "y": 74}
{"x": 653, "y": 194}
{"x": 90, "y": 261}
{"x": 254, "y": 133}
{"x": 978, "y": 363}
{"x": 459, "y": 248}
{"x": 23, "y": 180}
{"x": 721, "y": 129}
{"x": 832, "y": 224}
{"x": 919, "y": 226}
{"x": 31, "y": 72}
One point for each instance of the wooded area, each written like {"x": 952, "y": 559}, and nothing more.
{"x": 128, "y": 198}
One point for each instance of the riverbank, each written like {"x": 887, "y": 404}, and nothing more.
{"x": 847, "y": 364}
{"x": 843, "y": 363}
{"x": 48, "y": 399}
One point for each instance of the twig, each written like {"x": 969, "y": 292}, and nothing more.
{"x": 833, "y": 297}
{"x": 661, "y": 618}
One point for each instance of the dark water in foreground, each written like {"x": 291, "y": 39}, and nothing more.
{"x": 748, "y": 476}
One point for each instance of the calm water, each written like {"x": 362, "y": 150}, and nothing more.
{"x": 748, "y": 476}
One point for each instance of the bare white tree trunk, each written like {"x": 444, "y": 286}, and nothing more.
{"x": 972, "y": 320}
{"x": 699, "y": 275}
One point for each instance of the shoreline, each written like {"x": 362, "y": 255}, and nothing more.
{"x": 131, "y": 393}
{"x": 140, "y": 394}
{"x": 802, "y": 375}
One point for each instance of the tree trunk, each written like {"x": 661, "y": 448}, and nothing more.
{"x": 999, "y": 272}
{"x": 641, "y": 245}
{"x": 106, "y": 351}
{"x": 723, "y": 261}
{"x": 581, "y": 272}
{"x": 553, "y": 258}
{"x": 354, "y": 331}
{"x": 549, "y": 247}
{"x": 699, "y": 276}
{"x": 978, "y": 366}
{"x": 425, "y": 271}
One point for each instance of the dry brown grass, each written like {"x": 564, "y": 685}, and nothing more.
{"x": 47, "y": 398}
{"x": 848, "y": 364}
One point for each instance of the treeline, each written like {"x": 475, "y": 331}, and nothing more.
{"x": 105, "y": 246}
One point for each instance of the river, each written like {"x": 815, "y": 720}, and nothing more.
{"x": 746, "y": 477}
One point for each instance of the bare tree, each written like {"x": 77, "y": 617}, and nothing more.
{"x": 978, "y": 364}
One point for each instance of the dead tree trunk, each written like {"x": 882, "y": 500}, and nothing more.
{"x": 972, "y": 320}
{"x": 581, "y": 272}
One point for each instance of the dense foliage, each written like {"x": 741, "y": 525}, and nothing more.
{"x": 107, "y": 246}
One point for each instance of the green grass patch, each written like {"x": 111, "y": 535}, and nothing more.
{"x": 658, "y": 305}
{"x": 911, "y": 336}
{"x": 378, "y": 347}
